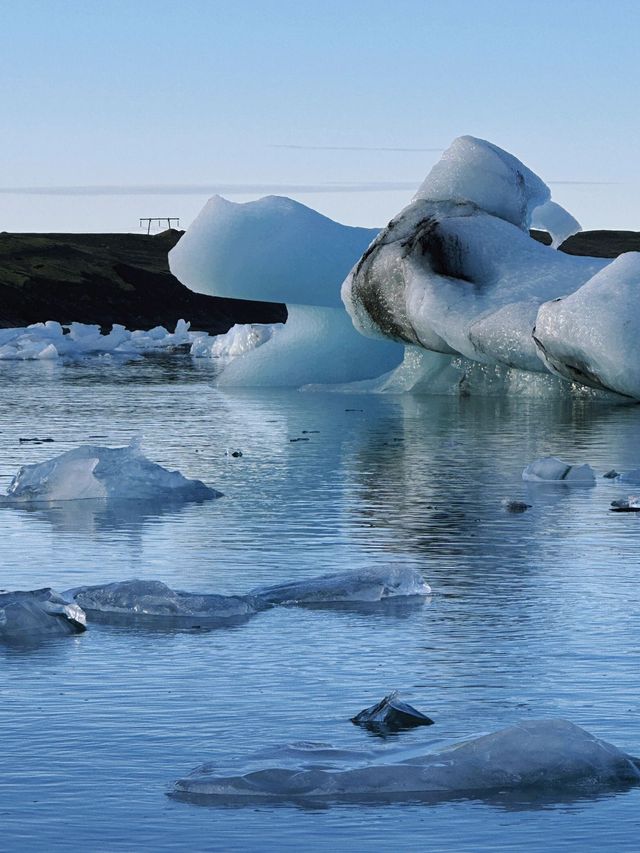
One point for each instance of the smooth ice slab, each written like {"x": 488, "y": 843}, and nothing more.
{"x": 154, "y": 602}
{"x": 92, "y": 472}
{"x": 536, "y": 755}
{"x": 550, "y": 469}
{"x": 364, "y": 585}
{"x": 273, "y": 249}
{"x": 29, "y": 616}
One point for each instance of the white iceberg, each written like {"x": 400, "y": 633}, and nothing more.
{"x": 92, "y": 472}
{"x": 30, "y": 616}
{"x": 356, "y": 586}
{"x": 550, "y": 469}
{"x": 456, "y": 273}
{"x": 276, "y": 249}
{"x": 534, "y": 756}
{"x": 77, "y": 341}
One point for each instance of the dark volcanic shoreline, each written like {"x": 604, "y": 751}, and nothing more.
{"x": 125, "y": 278}
{"x": 110, "y": 278}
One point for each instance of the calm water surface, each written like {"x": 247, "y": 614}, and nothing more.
{"x": 533, "y": 615}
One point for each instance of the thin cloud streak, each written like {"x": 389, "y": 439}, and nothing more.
{"x": 354, "y": 148}
{"x": 213, "y": 189}
{"x": 241, "y": 189}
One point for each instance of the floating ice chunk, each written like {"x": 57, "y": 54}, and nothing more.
{"x": 91, "y": 472}
{"x": 273, "y": 249}
{"x": 36, "y": 614}
{"x": 550, "y": 469}
{"x": 240, "y": 339}
{"x": 154, "y": 602}
{"x": 76, "y": 341}
{"x": 591, "y": 335}
{"x": 536, "y": 755}
{"x": 315, "y": 345}
{"x": 630, "y": 504}
{"x": 364, "y": 585}
{"x": 557, "y": 221}
{"x": 391, "y": 714}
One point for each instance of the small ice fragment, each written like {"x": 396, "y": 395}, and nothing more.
{"x": 550, "y": 469}
{"x": 610, "y": 475}
{"x": 29, "y": 616}
{"x": 630, "y": 504}
{"x": 391, "y": 714}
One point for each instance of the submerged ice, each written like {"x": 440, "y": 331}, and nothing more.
{"x": 93, "y": 472}
{"x": 535, "y": 755}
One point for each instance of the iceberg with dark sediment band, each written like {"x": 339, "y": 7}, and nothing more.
{"x": 550, "y": 469}
{"x": 91, "y": 472}
{"x": 457, "y": 274}
{"x": 34, "y": 615}
{"x": 535, "y": 756}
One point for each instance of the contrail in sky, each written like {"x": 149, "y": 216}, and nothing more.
{"x": 239, "y": 189}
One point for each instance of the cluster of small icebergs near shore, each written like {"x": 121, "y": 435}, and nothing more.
{"x": 534, "y": 755}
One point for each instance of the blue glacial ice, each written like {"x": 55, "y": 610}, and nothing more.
{"x": 276, "y": 249}
{"x": 532, "y": 756}
{"x": 92, "y": 472}
{"x": 33, "y": 615}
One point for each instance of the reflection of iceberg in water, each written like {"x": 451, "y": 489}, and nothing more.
{"x": 536, "y": 755}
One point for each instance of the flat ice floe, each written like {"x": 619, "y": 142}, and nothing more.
{"x": 153, "y": 602}
{"x": 534, "y": 756}
{"x": 363, "y": 586}
{"x": 30, "y": 616}
{"x": 92, "y": 472}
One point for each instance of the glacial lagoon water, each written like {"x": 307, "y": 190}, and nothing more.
{"x": 533, "y": 615}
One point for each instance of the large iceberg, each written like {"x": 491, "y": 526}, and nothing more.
{"x": 33, "y": 615}
{"x": 534, "y": 756}
{"x": 456, "y": 273}
{"x": 276, "y": 249}
{"x": 93, "y": 472}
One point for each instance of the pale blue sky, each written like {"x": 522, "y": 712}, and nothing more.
{"x": 205, "y": 94}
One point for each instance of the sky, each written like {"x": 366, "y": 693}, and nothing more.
{"x": 119, "y": 110}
